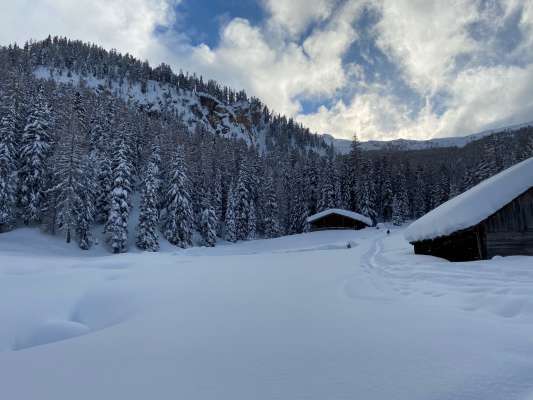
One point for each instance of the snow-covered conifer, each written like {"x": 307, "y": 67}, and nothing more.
{"x": 117, "y": 220}
{"x": 242, "y": 204}
{"x": 270, "y": 210}
{"x": 208, "y": 225}
{"x": 252, "y": 221}
{"x": 148, "y": 227}
{"x": 86, "y": 197}
{"x": 230, "y": 221}
{"x": 35, "y": 149}
{"x": 178, "y": 222}
{"x": 8, "y": 169}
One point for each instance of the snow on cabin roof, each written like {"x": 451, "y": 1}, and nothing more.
{"x": 475, "y": 205}
{"x": 345, "y": 213}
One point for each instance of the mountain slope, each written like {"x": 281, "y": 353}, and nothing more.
{"x": 343, "y": 145}
{"x": 215, "y": 108}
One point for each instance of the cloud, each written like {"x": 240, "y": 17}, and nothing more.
{"x": 425, "y": 37}
{"x": 295, "y": 16}
{"x": 126, "y": 25}
{"x": 468, "y": 67}
{"x": 283, "y": 70}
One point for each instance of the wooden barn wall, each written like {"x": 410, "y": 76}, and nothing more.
{"x": 465, "y": 245}
{"x": 334, "y": 221}
{"x": 510, "y": 230}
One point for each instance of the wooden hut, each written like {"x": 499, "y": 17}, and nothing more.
{"x": 494, "y": 218}
{"x": 335, "y": 218}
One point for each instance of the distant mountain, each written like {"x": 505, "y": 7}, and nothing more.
{"x": 343, "y": 145}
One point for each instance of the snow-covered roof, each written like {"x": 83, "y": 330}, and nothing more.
{"x": 475, "y": 205}
{"x": 344, "y": 213}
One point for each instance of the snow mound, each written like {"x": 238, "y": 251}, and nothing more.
{"x": 475, "y": 205}
{"x": 51, "y": 331}
{"x": 344, "y": 213}
{"x": 105, "y": 306}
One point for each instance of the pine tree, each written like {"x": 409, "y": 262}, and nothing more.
{"x": 400, "y": 203}
{"x": 298, "y": 212}
{"x": 252, "y": 221}
{"x": 354, "y": 160}
{"x": 271, "y": 210}
{"x": 86, "y": 208}
{"x": 178, "y": 222}
{"x": 104, "y": 186}
{"x": 387, "y": 197}
{"x": 419, "y": 200}
{"x": 36, "y": 142}
{"x": 68, "y": 171}
{"x": 8, "y": 169}
{"x": 490, "y": 163}
{"x": 117, "y": 221}
{"x": 230, "y": 220}
{"x": 216, "y": 200}
{"x": 148, "y": 227}
{"x": 208, "y": 226}
{"x": 327, "y": 194}
{"x": 366, "y": 203}
{"x": 242, "y": 204}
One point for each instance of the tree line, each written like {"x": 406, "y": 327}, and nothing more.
{"x": 74, "y": 160}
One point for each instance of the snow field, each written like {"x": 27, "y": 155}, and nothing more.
{"x": 299, "y": 317}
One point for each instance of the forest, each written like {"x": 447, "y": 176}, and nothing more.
{"x": 74, "y": 158}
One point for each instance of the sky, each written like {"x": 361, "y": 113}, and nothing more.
{"x": 383, "y": 69}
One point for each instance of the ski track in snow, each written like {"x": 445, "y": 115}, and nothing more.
{"x": 299, "y": 317}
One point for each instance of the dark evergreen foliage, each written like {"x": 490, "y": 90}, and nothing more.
{"x": 75, "y": 157}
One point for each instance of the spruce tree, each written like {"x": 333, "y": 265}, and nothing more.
{"x": 252, "y": 221}
{"x": 117, "y": 221}
{"x": 208, "y": 226}
{"x": 400, "y": 203}
{"x": 86, "y": 208}
{"x": 68, "y": 170}
{"x": 8, "y": 169}
{"x": 178, "y": 222}
{"x": 366, "y": 203}
{"x": 148, "y": 227}
{"x": 230, "y": 220}
{"x": 387, "y": 196}
{"x": 104, "y": 186}
{"x": 298, "y": 212}
{"x": 354, "y": 160}
{"x": 35, "y": 149}
{"x": 271, "y": 210}
{"x": 242, "y": 204}
{"x": 327, "y": 193}
{"x": 419, "y": 200}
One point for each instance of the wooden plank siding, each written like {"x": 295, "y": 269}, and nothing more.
{"x": 510, "y": 230}
{"x": 336, "y": 221}
{"x": 507, "y": 232}
{"x": 464, "y": 245}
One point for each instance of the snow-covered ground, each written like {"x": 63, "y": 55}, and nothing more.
{"x": 300, "y": 317}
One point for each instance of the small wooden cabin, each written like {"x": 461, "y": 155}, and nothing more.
{"x": 494, "y": 218}
{"x": 335, "y": 218}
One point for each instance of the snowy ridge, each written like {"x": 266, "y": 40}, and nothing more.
{"x": 194, "y": 107}
{"x": 344, "y": 213}
{"x": 474, "y": 205}
{"x": 343, "y": 145}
